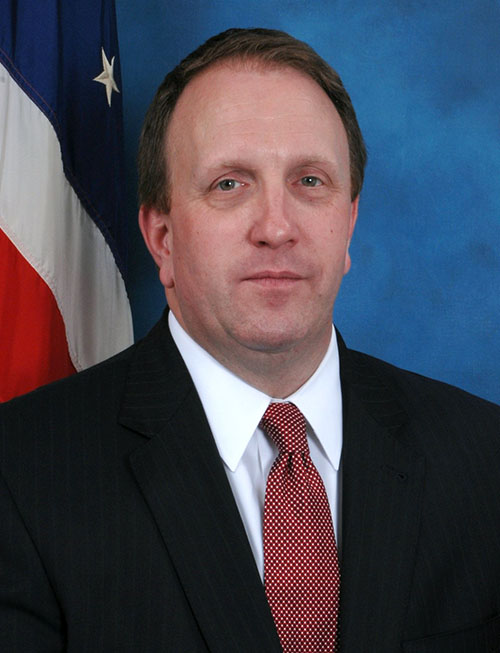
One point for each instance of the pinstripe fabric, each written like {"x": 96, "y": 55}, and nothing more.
{"x": 421, "y": 520}
{"x": 130, "y": 536}
{"x": 121, "y": 533}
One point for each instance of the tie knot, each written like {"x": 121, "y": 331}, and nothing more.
{"x": 286, "y": 426}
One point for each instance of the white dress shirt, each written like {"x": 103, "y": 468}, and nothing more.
{"x": 234, "y": 410}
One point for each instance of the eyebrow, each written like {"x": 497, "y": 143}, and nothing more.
{"x": 296, "y": 162}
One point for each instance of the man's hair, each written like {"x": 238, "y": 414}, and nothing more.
{"x": 272, "y": 48}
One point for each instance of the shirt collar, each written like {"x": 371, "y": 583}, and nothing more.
{"x": 320, "y": 400}
{"x": 234, "y": 408}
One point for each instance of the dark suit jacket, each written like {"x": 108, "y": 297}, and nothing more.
{"x": 119, "y": 531}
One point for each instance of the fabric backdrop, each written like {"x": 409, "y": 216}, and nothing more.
{"x": 63, "y": 302}
{"x": 424, "y": 76}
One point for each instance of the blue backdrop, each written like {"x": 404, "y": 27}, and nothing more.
{"x": 424, "y": 77}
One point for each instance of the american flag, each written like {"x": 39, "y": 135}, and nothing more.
{"x": 63, "y": 302}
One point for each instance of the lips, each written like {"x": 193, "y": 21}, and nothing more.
{"x": 271, "y": 274}
{"x": 274, "y": 278}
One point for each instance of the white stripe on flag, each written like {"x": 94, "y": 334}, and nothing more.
{"x": 43, "y": 217}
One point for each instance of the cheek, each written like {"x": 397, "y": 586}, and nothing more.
{"x": 194, "y": 264}
{"x": 333, "y": 256}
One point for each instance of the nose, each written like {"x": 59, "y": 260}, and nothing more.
{"x": 273, "y": 224}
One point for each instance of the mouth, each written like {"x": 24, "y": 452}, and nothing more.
{"x": 274, "y": 278}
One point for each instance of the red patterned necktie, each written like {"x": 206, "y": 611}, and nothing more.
{"x": 301, "y": 569}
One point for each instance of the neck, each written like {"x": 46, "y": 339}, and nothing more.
{"x": 277, "y": 373}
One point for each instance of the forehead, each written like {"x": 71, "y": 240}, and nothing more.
{"x": 252, "y": 100}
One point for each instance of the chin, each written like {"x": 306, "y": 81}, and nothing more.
{"x": 271, "y": 340}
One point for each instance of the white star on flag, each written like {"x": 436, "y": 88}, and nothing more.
{"x": 106, "y": 77}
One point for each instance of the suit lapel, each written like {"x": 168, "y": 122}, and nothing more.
{"x": 381, "y": 502}
{"x": 181, "y": 476}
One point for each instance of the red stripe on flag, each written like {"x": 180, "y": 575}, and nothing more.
{"x": 33, "y": 345}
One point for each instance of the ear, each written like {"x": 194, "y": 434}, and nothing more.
{"x": 157, "y": 233}
{"x": 352, "y": 223}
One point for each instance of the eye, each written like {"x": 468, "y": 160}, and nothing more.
{"x": 311, "y": 181}
{"x": 228, "y": 184}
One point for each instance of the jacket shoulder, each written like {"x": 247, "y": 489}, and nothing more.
{"x": 412, "y": 387}
{"x": 105, "y": 376}
{"x": 438, "y": 414}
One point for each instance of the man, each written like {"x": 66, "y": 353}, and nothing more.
{"x": 134, "y": 495}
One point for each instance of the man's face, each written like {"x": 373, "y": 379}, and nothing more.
{"x": 256, "y": 241}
